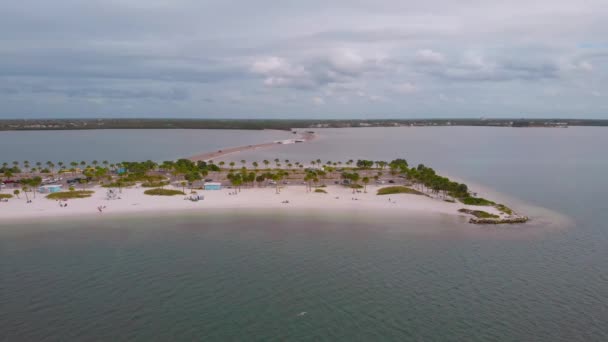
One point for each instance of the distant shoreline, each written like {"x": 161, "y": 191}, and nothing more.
{"x": 283, "y": 124}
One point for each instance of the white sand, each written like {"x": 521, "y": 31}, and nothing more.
{"x": 133, "y": 200}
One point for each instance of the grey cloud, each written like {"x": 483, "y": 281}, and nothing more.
{"x": 173, "y": 94}
{"x": 193, "y": 51}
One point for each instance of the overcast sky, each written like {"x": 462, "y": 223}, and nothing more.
{"x": 304, "y": 59}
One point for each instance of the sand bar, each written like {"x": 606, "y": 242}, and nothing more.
{"x": 303, "y": 137}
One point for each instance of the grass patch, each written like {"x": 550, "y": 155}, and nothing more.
{"x": 70, "y": 194}
{"x": 163, "y": 192}
{"x": 449, "y": 200}
{"x": 356, "y": 186}
{"x": 504, "y": 209}
{"x": 476, "y": 201}
{"x": 6, "y": 196}
{"x": 154, "y": 184}
{"x": 320, "y": 191}
{"x": 118, "y": 185}
{"x": 478, "y": 213}
{"x": 390, "y": 190}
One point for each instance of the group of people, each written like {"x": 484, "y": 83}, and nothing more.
{"x": 233, "y": 193}
{"x": 63, "y": 204}
{"x": 285, "y": 202}
{"x": 101, "y": 208}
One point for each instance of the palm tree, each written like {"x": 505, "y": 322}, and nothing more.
{"x": 355, "y": 178}
{"x": 231, "y": 165}
{"x": 276, "y": 162}
{"x": 266, "y": 162}
{"x": 243, "y": 162}
{"x": 255, "y": 165}
{"x": 105, "y": 163}
{"x": 307, "y": 179}
{"x": 25, "y": 189}
{"x": 365, "y": 180}
{"x": 35, "y": 183}
{"x": 222, "y": 163}
{"x": 16, "y": 193}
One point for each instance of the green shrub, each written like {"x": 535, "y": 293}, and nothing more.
{"x": 476, "y": 201}
{"x": 389, "y": 190}
{"x": 320, "y": 191}
{"x": 70, "y": 194}
{"x": 163, "y": 192}
{"x": 118, "y": 185}
{"x": 154, "y": 184}
{"x": 478, "y": 213}
{"x": 504, "y": 209}
{"x": 6, "y": 196}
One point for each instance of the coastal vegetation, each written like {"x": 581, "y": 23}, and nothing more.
{"x": 503, "y": 208}
{"x": 478, "y": 213}
{"x": 153, "y": 184}
{"x": 322, "y": 191}
{"x": 476, "y": 201}
{"x": 70, "y": 194}
{"x": 6, "y": 196}
{"x": 277, "y": 173}
{"x": 390, "y": 190}
{"x": 163, "y": 192}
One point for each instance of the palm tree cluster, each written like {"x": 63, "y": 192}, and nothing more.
{"x": 422, "y": 177}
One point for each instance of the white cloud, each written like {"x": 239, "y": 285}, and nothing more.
{"x": 427, "y": 56}
{"x": 278, "y": 72}
{"x": 584, "y": 66}
{"x": 318, "y": 100}
{"x": 405, "y": 88}
{"x": 346, "y": 60}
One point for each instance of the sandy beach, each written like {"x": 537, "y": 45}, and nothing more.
{"x": 133, "y": 200}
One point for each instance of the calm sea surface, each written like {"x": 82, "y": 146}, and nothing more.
{"x": 117, "y": 145}
{"x": 283, "y": 276}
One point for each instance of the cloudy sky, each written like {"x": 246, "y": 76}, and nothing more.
{"x": 304, "y": 59}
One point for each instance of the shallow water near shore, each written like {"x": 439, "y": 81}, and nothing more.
{"x": 310, "y": 275}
